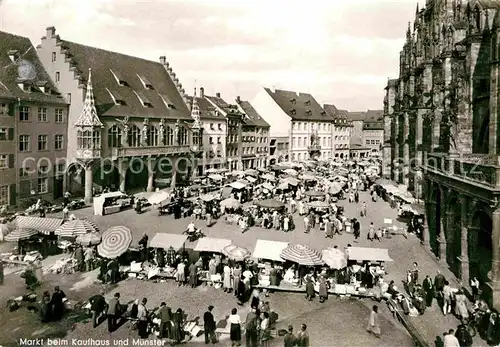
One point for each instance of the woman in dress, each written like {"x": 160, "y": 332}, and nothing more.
{"x": 234, "y": 321}
{"x": 236, "y": 279}
{"x": 461, "y": 306}
{"x": 373, "y": 323}
{"x": 180, "y": 276}
{"x": 227, "y": 278}
{"x": 323, "y": 289}
{"x": 177, "y": 328}
{"x": 265, "y": 333}
{"x": 212, "y": 268}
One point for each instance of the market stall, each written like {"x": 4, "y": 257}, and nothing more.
{"x": 166, "y": 240}
{"x": 209, "y": 247}
{"x": 269, "y": 250}
{"x": 109, "y": 203}
{"x": 43, "y": 225}
{"x": 270, "y": 204}
{"x": 236, "y": 253}
{"x": 159, "y": 197}
{"x": 368, "y": 254}
{"x": 115, "y": 242}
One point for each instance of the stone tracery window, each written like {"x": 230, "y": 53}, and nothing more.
{"x": 477, "y": 18}
{"x": 114, "y": 136}
{"x": 134, "y": 136}
{"x": 183, "y": 136}
{"x": 169, "y": 135}
{"x": 152, "y": 136}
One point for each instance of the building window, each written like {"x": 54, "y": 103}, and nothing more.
{"x": 114, "y": 137}
{"x": 4, "y": 195}
{"x": 4, "y": 134}
{"x": 58, "y": 76}
{"x": 219, "y": 154}
{"x": 59, "y": 115}
{"x": 211, "y": 140}
{"x": 169, "y": 136}
{"x": 43, "y": 170}
{"x": 220, "y": 126}
{"x": 42, "y": 114}
{"x": 4, "y": 110}
{"x": 183, "y": 136}
{"x": 24, "y": 143}
{"x": 134, "y": 136}
{"x": 212, "y": 127}
{"x": 24, "y": 113}
{"x": 219, "y": 140}
{"x": 84, "y": 139}
{"x": 54, "y": 56}
{"x": 152, "y": 136}
{"x": 23, "y": 172}
{"x": 4, "y": 161}
{"x": 42, "y": 142}
{"x": 43, "y": 185}
{"x": 58, "y": 142}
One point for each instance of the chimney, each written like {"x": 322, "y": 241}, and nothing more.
{"x": 202, "y": 92}
{"x": 238, "y": 100}
{"x": 51, "y": 31}
{"x": 217, "y": 95}
{"x": 163, "y": 60}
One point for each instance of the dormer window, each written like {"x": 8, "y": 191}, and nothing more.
{"x": 143, "y": 99}
{"x": 323, "y": 113}
{"x": 24, "y": 86}
{"x": 293, "y": 111}
{"x": 119, "y": 78}
{"x": 170, "y": 105}
{"x": 307, "y": 103}
{"x": 44, "y": 87}
{"x": 293, "y": 101}
{"x": 117, "y": 98}
{"x": 145, "y": 82}
{"x": 13, "y": 55}
{"x": 309, "y": 112}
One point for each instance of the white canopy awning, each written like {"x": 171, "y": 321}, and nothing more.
{"x": 368, "y": 254}
{"x": 210, "y": 244}
{"x": 165, "y": 241}
{"x": 237, "y": 185}
{"x": 271, "y": 250}
{"x": 216, "y": 177}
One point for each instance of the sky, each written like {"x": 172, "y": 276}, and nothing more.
{"x": 341, "y": 51}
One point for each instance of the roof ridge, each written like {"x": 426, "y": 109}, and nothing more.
{"x": 110, "y": 51}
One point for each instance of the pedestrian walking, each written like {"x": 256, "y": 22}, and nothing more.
{"x": 209, "y": 326}
{"x": 251, "y": 328}
{"x": 373, "y": 322}
{"x": 113, "y": 313}
{"x": 165, "y": 316}
{"x": 302, "y": 339}
{"x": 234, "y": 322}
{"x": 429, "y": 290}
{"x": 290, "y": 340}
{"x": 450, "y": 340}
{"x": 142, "y": 319}
{"x": 97, "y": 308}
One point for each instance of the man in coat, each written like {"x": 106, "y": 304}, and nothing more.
{"x": 97, "y": 308}
{"x": 251, "y": 328}
{"x": 193, "y": 275}
{"x": 113, "y": 312}
{"x": 209, "y": 326}
{"x": 429, "y": 290}
{"x": 290, "y": 340}
{"x": 165, "y": 316}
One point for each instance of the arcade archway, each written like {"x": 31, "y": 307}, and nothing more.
{"x": 137, "y": 175}
{"x": 106, "y": 175}
{"x": 453, "y": 234}
{"x": 433, "y": 207}
{"x": 480, "y": 245}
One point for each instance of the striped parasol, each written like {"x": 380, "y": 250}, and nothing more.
{"x": 76, "y": 227}
{"x": 20, "y": 234}
{"x": 115, "y": 242}
{"x": 302, "y": 255}
{"x": 88, "y": 239}
{"x": 236, "y": 253}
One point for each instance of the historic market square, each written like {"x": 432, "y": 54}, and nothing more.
{"x": 287, "y": 194}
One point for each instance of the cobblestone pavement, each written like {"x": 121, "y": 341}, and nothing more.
{"x": 404, "y": 251}
{"x": 341, "y": 315}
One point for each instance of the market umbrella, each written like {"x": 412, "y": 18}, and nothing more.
{"x": 314, "y": 193}
{"x": 230, "y": 203}
{"x": 307, "y": 177}
{"x": 236, "y": 253}
{"x": 291, "y": 172}
{"x": 269, "y": 177}
{"x": 251, "y": 172}
{"x": 115, "y": 242}
{"x": 318, "y": 204}
{"x": 334, "y": 189}
{"x": 269, "y": 203}
{"x": 334, "y": 258}
{"x": 291, "y": 181}
{"x": 237, "y": 173}
{"x": 20, "y": 234}
{"x": 302, "y": 255}
{"x": 88, "y": 239}
{"x": 76, "y": 227}
{"x": 283, "y": 186}
{"x": 158, "y": 197}
{"x": 267, "y": 185}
